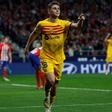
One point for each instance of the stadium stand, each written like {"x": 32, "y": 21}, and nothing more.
{"x": 18, "y": 18}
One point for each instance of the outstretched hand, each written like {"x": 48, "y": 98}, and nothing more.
{"x": 81, "y": 17}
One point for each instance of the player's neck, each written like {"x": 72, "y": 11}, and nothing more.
{"x": 53, "y": 19}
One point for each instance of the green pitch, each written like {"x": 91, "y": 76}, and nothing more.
{"x": 76, "y": 93}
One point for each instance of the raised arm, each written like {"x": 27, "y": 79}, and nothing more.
{"x": 79, "y": 24}
{"x": 107, "y": 37}
{"x": 32, "y": 37}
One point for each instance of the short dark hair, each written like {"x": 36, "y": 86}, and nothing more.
{"x": 53, "y": 3}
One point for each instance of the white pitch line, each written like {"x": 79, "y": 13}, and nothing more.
{"x": 72, "y": 105}
{"x": 87, "y": 89}
{"x": 23, "y": 85}
{"x": 67, "y": 88}
{"x": 21, "y": 107}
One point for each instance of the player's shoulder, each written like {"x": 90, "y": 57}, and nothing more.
{"x": 43, "y": 21}
{"x": 111, "y": 40}
{"x": 1, "y": 43}
{"x": 63, "y": 21}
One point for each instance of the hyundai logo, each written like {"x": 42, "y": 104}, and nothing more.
{"x": 69, "y": 68}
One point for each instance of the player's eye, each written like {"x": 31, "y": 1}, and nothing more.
{"x": 55, "y": 8}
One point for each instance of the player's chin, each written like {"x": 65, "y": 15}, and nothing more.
{"x": 57, "y": 15}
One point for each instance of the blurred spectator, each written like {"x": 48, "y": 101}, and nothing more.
{"x": 22, "y": 54}
{"x": 5, "y": 57}
{"x": 18, "y": 18}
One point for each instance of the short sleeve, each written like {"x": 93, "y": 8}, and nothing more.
{"x": 109, "y": 41}
{"x": 67, "y": 24}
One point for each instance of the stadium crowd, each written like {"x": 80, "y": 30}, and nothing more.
{"x": 18, "y": 18}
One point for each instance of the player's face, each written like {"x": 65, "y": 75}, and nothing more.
{"x": 55, "y": 11}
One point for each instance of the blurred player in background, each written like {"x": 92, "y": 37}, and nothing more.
{"x": 5, "y": 57}
{"x": 54, "y": 32}
{"x": 108, "y": 41}
{"x": 34, "y": 57}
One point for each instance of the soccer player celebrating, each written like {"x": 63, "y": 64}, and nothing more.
{"x": 54, "y": 32}
{"x": 34, "y": 57}
{"x": 5, "y": 57}
{"x": 108, "y": 41}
